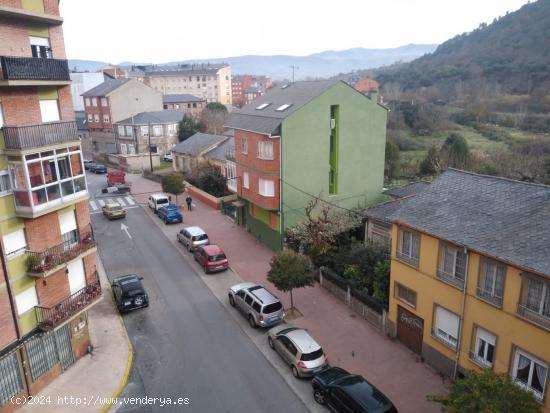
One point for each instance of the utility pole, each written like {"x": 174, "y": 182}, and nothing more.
{"x": 150, "y": 154}
{"x": 293, "y": 67}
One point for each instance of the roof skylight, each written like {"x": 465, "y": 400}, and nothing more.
{"x": 263, "y": 106}
{"x": 283, "y": 107}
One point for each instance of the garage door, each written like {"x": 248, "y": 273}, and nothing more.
{"x": 410, "y": 329}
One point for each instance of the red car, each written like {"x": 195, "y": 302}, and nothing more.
{"x": 211, "y": 258}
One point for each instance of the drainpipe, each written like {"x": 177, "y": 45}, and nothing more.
{"x": 13, "y": 313}
{"x": 462, "y": 310}
{"x": 281, "y": 183}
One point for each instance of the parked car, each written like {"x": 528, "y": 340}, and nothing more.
{"x": 112, "y": 210}
{"x": 345, "y": 392}
{"x": 98, "y": 168}
{"x": 157, "y": 201}
{"x": 129, "y": 293}
{"x": 298, "y": 349}
{"x": 115, "y": 177}
{"x": 257, "y": 304}
{"x": 193, "y": 237}
{"x": 170, "y": 214}
{"x": 211, "y": 258}
{"x": 167, "y": 157}
{"x": 88, "y": 163}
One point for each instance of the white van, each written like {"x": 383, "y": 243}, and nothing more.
{"x": 157, "y": 201}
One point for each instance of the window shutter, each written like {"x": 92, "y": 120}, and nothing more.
{"x": 447, "y": 321}
{"x": 26, "y": 300}
{"x": 15, "y": 241}
{"x": 67, "y": 222}
{"x": 49, "y": 110}
{"x": 486, "y": 336}
{"x": 77, "y": 279}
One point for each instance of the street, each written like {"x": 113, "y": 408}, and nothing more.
{"x": 186, "y": 344}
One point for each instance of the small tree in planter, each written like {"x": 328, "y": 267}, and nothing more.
{"x": 172, "y": 184}
{"x": 290, "y": 270}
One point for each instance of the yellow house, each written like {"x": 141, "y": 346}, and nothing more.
{"x": 470, "y": 277}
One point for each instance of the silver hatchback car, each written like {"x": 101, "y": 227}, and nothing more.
{"x": 193, "y": 237}
{"x": 298, "y": 349}
{"x": 258, "y": 305}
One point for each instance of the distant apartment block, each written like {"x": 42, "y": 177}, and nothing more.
{"x": 253, "y": 86}
{"x": 210, "y": 82}
{"x": 186, "y": 103}
{"x": 81, "y": 82}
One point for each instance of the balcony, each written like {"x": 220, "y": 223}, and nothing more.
{"x": 534, "y": 316}
{"x": 50, "y": 317}
{"x": 42, "y": 263}
{"x": 21, "y": 71}
{"x": 28, "y": 15}
{"x": 43, "y": 134}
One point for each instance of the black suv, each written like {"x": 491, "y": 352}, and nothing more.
{"x": 344, "y": 392}
{"x": 129, "y": 293}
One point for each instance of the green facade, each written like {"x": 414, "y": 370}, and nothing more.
{"x": 357, "y": 158}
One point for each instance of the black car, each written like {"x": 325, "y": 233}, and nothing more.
{"x": 88, "y": 163}
{"x": 98, "y": 168}
{"x": 129, "y": 293}
{"x": 346, "y": 392}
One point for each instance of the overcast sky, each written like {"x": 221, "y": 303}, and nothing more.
{"x": 167, "y": 30}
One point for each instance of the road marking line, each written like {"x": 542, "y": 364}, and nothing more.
{"x": 120, "y": 202}
{"x": 101, "y": 202}
{"x": 129, "y": 200}
{"x": 110, "y": 200}
{"x": 93, "y": 205}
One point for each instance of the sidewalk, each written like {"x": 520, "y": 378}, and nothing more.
{"x": 350, "y": 342}
{"x": 97, "y": 377}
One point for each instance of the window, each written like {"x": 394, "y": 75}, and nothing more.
{"x": 283, "y": 107}
{"x": 535, "y": 303}
{"x": 40, "y": 47}
{"x": 129, "y": 130}
{"x": 121, "y": 130}
{"x": 67, "y": 225}
{"x": 15, "y": 243}
{"x": 106, "y": 119}
{"x": 405, "y": 294}
{"x": 446, "y": 326}
{"x": 90, "y": 118}
{"x": 145, "y": 131}
{"x": 94, "y": 101}
{"x": 5, "y": 183}
{"x": 77, "y": 279}
{"x": 530, "y": 373}
{"x": 265, "y": 150}
{"x": 244, "y": 145}
{"x": 256, "y": 307}
{"x": 104, "y": 102}
{"x": 172, "y": 128}
{"x": 230, "y": 174}
{"x": 491, "y": 281}
{"x": 1, "y": 116}
{"x": 26, "y": 300}
{"x": 408, "y": 248}
{"x": 452, "y": 265}
{"x": 246, "y": 180}
{"x": 266, "y": 187}
{"x": 484, "y": 347}
{"x": 96, "y": 117}
{"x": 49, "y": 110}
{"x": 157, "y": 130}
{"x": 248, "y": 300}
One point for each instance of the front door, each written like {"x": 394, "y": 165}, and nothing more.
{"x": 64, "y": 347}
{"x": 410, "y": 329}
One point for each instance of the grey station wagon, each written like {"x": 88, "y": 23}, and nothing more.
{"x": 258, "y": 305}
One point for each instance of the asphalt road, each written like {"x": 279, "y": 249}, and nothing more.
{"x": 186, "y": 344}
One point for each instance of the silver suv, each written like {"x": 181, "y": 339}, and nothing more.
{"x": 258, "y": 305}
{"x": 298, "y": 349}
{"x": 193, "y": 237}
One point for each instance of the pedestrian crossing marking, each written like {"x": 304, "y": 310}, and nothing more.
{"x": 120, "y": 201}
{"x": 93, "y": 205}
{"x": 101, "y": 202}
{"x": 110, "y": 201}
{"x": 129, "y": 200}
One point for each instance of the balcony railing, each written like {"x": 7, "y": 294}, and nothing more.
{"x": 487, "y": 296}
{"x": 34, "y": 68}
{"x": 34, "y": 136}
{"x": 533, "y": 316}
{"x": 43, "y": 261}
{"x": 50, "y": 317}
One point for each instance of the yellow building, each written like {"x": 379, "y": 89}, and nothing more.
{"x": 470, "y": 277}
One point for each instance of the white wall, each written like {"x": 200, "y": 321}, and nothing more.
{"x": 81, "y": 82}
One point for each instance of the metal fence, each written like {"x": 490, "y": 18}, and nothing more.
{"x": 10, "y": 378}
{"x": 42, "y": 354}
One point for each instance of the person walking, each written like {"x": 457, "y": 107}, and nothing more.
{"x": 189, "y": 202}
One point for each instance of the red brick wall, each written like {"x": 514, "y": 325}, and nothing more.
{"x": 100, "y": 110}
{"x": 80, "y": 337}
{"x": 7, "y": 332}
{"x": 57, "y": 42}
{"x": 51, "y": 7}
{"x": 43, "y": 232}
{"x": 14, "y": 38}
{"x": 66, "y": 110}
{"x": 53, "y": 289}
{"x": 197, "y": 195}
{"x": 90, "y": 268}
{"x": 20, "y": 106}
{"x": 82, "y": 214}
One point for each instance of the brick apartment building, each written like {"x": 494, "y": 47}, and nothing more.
{"x": 245, "y": 88}
{"x": 48, "y": 277}
{"x": 112, "y": 101}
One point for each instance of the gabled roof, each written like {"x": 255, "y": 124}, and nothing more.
{"x": 162, "y": 116}
{"x": 498, "y": 217}
{"x": 220, "y": 152}
{"x": 106, "y": 88}
{"x": 407, "y": 190}
{"x": 382, "y": 212}
{"x": 196, "y": 144}
{"x": 181, "y": 98}
{"x": 262, "y": 115}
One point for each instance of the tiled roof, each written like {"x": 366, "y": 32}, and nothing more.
{"x": 181, "y": 98}
{"x": 220, "y": 151}
{"x": 162, "y": 116}
{"x": 268, "y": 119}
{"x": 407, "y": 190}
{"x": 502, "y": 218}
{"x": 382, "y": 212}
{"x": 105, "y": 88}
{"x": 365, "y": 85}
{"x": 198, "y": 143}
